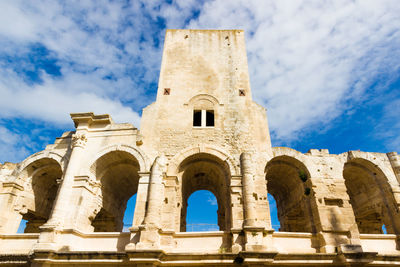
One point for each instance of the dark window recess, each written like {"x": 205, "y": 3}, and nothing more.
{"x": 242, "y": 92}
{"x": 167, "y": 91}
{"x": 197, "y": 118}
{"x": 210, "y": 118}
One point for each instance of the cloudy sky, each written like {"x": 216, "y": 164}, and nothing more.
{"x": 327, "y": 71}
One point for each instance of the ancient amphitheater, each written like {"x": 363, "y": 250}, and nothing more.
{"x": 203, "y": 132}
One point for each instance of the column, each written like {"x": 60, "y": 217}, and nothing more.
{"x": 11, "y": 215}
{"x": 141, "y": 199}
{"x": 62, "y": 208}
{"x": 248, "y": 189}
{"x": 156, "y": 195}
{"x": 149, "y": 235}
{"x": 254, "y": 236}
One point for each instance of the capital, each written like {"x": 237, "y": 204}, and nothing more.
{"x": 79, "y": 140}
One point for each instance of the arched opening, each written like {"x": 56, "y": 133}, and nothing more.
{"x": 206, "y": 172}
{"x": 40, "y": 191}
{"x": 288, "y": 183}
{"x": 371, "y": 197}
{"x": 117, "y": 172}
{"x": 202, "y": 212}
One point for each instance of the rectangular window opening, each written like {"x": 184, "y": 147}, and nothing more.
{"x": 210, "y": 118}
{"x": 197, "y": 118}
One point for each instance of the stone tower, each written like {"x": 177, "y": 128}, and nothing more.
{"x": 204, "y": 104}
{"x": 203, "y": 132}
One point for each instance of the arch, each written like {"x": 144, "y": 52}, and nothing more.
{"x": 173, "y": 166}
{"x": 116, "y": 171}
{"x": 134, "y": 151}
{"x": 288, "y": 182}
{"x": 37, "y": 156}
{"x": 40, "y": 175}
{"x": 204, "y": 171}
{"x": 371, "y": 197}
{"x": 290, "y": 152}
{"x": 200, "y": 97}
{"x": 374, "y": 160}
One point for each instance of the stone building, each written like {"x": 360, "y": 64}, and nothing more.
{"x": 203, "y": 132}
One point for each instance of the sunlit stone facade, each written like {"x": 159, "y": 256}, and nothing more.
{"x": 203, "y": 132}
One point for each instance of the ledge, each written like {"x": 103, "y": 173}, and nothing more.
{"x": 377, "y": 236}
{"x": 199, "y": 234}
{"x": 20, "y": 236}
{"x": 292, "y": 234}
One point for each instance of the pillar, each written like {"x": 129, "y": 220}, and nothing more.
{"x": 11, "y": 214}
{"x": 248, "y": 189}
{"x": 254, "y": 235}
{"x": 141, "y": 199}
{"x": 62, "y": 209}
{"x": 149, "y": 230}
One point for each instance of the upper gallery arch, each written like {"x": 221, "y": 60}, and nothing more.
{"x": 218, "y": 153}
{"x": 39, "y": 157}
{"x": 141, "y": 158}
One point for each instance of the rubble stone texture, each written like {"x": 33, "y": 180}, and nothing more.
{"x": 203, "y": 132}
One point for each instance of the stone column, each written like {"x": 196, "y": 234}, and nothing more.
{"x": 11, "y": 214}
{"x": 254, "y": 235}
{"x": 248, "y": 189}
{"x": 394, "y": 159}
{"x": 149, "y": 231}
{"x": 141, "y": 199}
{"x": 62, "y": 208}
{"x": 156, "y": 196}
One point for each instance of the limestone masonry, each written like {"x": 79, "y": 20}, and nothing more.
{"x": 203, "y": 132}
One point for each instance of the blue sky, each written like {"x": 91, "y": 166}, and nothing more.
{"x": 328, "y": 72}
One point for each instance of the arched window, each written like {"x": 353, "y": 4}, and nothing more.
{"x": 205, "y": 109}
{"x": 287, "y": 183}
{"x": 371, "y": 198}
{"x": 117, "y": 172}
{"x": 206, "y": 172}
{"x": 39, "y": 195}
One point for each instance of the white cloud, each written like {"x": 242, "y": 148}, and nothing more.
{"x": 212, "y": 200}
{"x": 53, "y": 100}
{"x": 88, "y": 41}
{"x": 389, "y": 127}
{"x": 12, "y": 147}
{"x": 311, "y": 60}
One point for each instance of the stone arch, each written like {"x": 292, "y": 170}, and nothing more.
{"x": 371, "y": 196}
{"x": 116, "y": 170}
{"x": 37, "y": 156}
{"x": 140, "y": 156}
{"x": 40, "y": 175}
{"x": 204, "y": 171}
{"x": 288, "y": 181}
{"x": 173, "y": 166}
{"x": 201, "y": 97}
{"x": 289, "y": 152}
